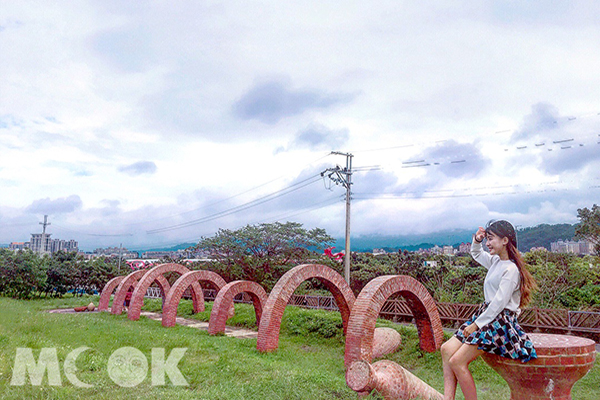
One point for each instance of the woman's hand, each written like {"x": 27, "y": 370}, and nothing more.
{"x": 480, "y": 234}
{"x": 470, "y": 329}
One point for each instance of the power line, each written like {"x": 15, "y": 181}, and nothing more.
{"x": 471, "y": 192}
{"x": 316, "y": 206}
{"x": 242, "y": 207}
{"x": 563, "y": 120}
{"x": 220, "y": 201}
{"x": 461, "y": 158}
{"x": 91, "y": 234}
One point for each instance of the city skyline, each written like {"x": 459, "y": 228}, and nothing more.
{"x": 152, "y": 124}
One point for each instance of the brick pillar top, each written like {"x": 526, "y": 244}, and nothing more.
{"x": 548, "y": 344}
{"x": 562, "y": 360}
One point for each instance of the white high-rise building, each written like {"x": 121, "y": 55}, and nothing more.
{"x": 36, "y": 244}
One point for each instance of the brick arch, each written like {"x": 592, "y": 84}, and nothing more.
{"x": 224, "y": 301}
{"x": 179, "y": 287}
{"x": 270, "y": 322}
{"x": 137, "y": 298}
{"x": 368, "y": 304}
{"x": 131, "y": 280}
{"x": 107, "y": 291}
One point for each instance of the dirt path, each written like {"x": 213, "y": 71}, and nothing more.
{"x": 232, "y": 331}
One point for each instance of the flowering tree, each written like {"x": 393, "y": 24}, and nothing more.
{"x": 262, "y": 253}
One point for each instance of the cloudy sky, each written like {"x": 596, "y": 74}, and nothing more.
{"x": 155, "y": 123}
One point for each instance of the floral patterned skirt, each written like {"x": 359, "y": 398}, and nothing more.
{"x": 503, "y": 336}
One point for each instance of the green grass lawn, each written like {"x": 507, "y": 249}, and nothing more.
{"x": 308, "y": 364}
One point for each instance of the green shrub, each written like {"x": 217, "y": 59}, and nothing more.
{"x": 587, "y": 297}
{"x": 316, "y": 323}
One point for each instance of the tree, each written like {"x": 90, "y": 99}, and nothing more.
{"x": 263, "y": 252}
{"x": 589, "y": 226}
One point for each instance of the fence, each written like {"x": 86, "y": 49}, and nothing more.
{"x": 451, "y": 314}
{"x": 154, "y": 292}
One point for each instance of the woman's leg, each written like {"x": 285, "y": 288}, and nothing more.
{"x": 448, "y": 349}
{"x": 459, "y": 363}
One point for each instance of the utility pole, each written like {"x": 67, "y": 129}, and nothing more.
{"x": 343, "y": 176}
{"x": 43, "y": 244}
{"x": 119, "y": 267}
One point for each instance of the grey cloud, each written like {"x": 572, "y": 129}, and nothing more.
{"x": 446, "y": 161}
{"x": 454, "y": 159}
{"x": 138, "y": 168}
{"x": 317, "y": 137}
{"x": 376, "y": 182}
{"x": 111, "y": 207}
{"x": 570, "y": 158}
{"x": 553, "y": 143}
{"x": 271, "y": 101}
{"x": 56, "y": 206}
{"x": 543, "y": 118}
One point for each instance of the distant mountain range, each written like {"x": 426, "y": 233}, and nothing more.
{"x": 181, "y": 246}
{"x": 537, "y": 236}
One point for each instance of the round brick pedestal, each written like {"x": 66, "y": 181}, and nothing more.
{"x": 562, "y": 361}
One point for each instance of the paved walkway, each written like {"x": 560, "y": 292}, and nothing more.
{"x": 232, "y": 331}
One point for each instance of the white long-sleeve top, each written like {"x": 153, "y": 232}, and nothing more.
{"x": 501, "y": 287}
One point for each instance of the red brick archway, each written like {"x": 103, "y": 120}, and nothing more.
{"x": 107, "y": 291}
{"x": 137, "y": 298}
{"x": 189, "y": 278}
{"x": 224, "y": 301}
{"x": 361, "y": 327}
{"x": 131, "y": 280}
{"x": 268, "y": 331}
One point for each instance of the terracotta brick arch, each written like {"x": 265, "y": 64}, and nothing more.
{"x": 137, "y": 298}
{"x": 107, "y": 291}
{"x": 189, "y": 278}
{"x": 224, "y": 301}
{"x": 361, "y": 327}
{"x": 270, "y": 322}
{"x": 131, "y": 280}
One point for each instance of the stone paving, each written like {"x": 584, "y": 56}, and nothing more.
{"x": 231, "y": 331}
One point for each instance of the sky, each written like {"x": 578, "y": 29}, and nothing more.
{"x": 148, "y": 124}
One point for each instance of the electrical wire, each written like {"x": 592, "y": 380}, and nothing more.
{"x": 242, "y": 207}
{"x": 225, "y": 199}
{"x": 314, "y": 207}
{"x": 561, "y": 120}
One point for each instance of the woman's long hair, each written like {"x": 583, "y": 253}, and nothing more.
{"x": 528, "y": 284}
{"x": 504, "y": 229}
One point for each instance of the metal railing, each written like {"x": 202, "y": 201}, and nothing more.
{"x": 454, "y": 314}
{"x": 451, "y": 314}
